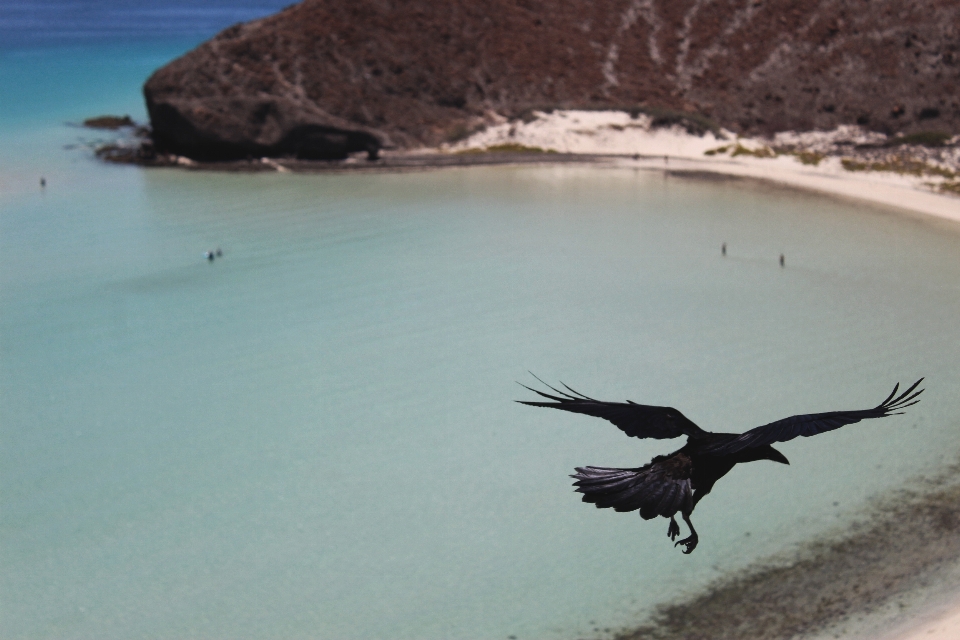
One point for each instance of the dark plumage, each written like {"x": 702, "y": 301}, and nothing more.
{"x": 676, "y": 482}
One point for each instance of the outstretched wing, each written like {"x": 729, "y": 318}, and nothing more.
{"x": 635, "y": 420}
{"x": 660, "y": 488}
{"x": 814, "y": 423}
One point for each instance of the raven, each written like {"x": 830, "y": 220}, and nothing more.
{"x": 678, "y": 481}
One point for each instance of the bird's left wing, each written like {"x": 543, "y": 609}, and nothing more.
{"x": 635, "y": 420}
{"x": 814, "y": 423}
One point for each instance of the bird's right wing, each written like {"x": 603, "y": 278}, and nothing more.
{"x": 635, "y": 420}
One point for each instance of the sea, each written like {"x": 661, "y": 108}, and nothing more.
{"x": 316, "y": 434}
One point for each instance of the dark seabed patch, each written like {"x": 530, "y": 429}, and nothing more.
{"x": 712, "y": 176}
{"x": 868, "y": 576}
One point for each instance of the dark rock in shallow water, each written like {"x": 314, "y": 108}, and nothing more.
{"x": 324, "y": 79}
{"x": 109, "y": 122}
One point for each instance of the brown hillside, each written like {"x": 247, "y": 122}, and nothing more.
{"x": 324, "y": 77}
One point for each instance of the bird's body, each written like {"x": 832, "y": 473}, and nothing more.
{"x": 676, "y": 482}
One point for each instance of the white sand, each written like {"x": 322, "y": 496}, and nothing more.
{"x": 615, "y": 132}
{"x": 939, "y": 622}
{"x": 946, "y": 627}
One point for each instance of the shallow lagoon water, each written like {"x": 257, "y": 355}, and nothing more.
{"x": 315, "y": 435}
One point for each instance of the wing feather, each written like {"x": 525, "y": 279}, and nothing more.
{"x": 660, "y": 488}
{"x": 815, "y": 423}
{"x": 635, "y": 420}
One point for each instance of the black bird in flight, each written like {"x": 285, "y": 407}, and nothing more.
{"x": 678, "y": 481}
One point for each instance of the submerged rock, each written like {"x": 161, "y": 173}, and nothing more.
{"x": 109, "y": 122}
{"x": 325, "y": 79}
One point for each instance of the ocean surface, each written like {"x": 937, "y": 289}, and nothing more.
{"x": 315, "y": 435}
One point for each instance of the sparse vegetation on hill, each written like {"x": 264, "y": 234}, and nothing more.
{"x": 325, "y": 79}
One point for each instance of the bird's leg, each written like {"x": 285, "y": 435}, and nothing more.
{"x": 674, "y": 529}
{"x": 690, "y": 542}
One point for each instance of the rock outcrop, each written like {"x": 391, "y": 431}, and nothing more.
{"x": 325, "y": 78}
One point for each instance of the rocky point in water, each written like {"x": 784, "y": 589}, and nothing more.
{"x": 323, "y": 79}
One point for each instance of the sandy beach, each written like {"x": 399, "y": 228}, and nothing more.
{"x": 631, "y": 141}
{"x": 893, "y": 575}
{"x": 944, "y": 627}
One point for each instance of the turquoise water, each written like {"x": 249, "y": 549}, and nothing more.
{"x": 315, "y": 436}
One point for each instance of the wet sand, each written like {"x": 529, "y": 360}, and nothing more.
{"x": 944, "y": 627}
{"x": 892, "y": 575}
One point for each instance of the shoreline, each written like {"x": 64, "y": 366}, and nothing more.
{"x": 892, "y": 575}
{"x": 850, "y": 163}
{"x": 873, "y": 188}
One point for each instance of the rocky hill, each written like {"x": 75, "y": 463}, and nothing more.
{"x": 324, "y": 78}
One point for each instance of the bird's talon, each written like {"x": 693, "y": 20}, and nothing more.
{"x": 689, "y": 543}
{"x": 673, "y": 530}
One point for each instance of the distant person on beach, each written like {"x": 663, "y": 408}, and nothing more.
{"x": 219, "y": 252}
{"x": 43, "y": 182}
{"x": 723, "y": 249}
{"x": 782, "y": 260}
{"x": 208, "y": 255}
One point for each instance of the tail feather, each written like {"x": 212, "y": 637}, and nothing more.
{"x": 647, "y": 489}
